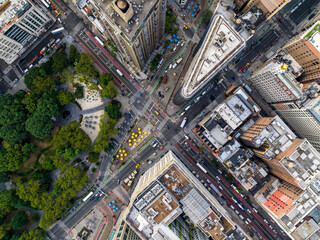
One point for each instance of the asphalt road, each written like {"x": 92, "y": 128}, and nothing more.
{"x": 259, "y": 46}
{"x": 257, "y": 221}
{"x": 298, "y": 10}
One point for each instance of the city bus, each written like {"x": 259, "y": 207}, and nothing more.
{"x": 99, "y": 41}
{"x": 88, "y": 196}
{"x": 58, "y": 30}
{"x": 119, "y": 72}
{"x": 184, "y": 121}
{"x": 202, "y": 168}
{"x": 45, "y": 3}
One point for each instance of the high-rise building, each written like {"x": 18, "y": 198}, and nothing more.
{"x": 276, "y": 81}
{"x": 169, "y": 190}
{"x": 20, "y": 21}
{"x": 268, "y": 7}
{"x": 305, "y": 49}
{"x": 215, "y": 129}
{"x": 304, "y": 115}
{"x": 135, "y": 28}
{"x": 125, "y": 232}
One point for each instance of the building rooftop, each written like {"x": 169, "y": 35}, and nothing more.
{"x": 313, "y": 35}
{"x": 302, "y": 161}
{"x": 222, "y": 42}
{"x": 306, "y": 229}
{"x": 176, "y": 183}
{"x": 212, "y": 226}
{"x": 275, "y": 138}
{"x": 141, "y": 8}
{"x": 11, "y": 10}
{"x": 173, "y": 191}
{"x": 162, "y": 207}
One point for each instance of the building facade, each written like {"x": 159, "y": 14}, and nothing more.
{"x": 20, "y": 22}
{"x": 304, "y": 118}
{"x": 169, "y": 191}
{"x": 269, "y": 8}
{"x": 124, "y": 232}
{"x": 305, "y": 49}
{"x": 135, "y": 28}
{"x": 276, "y": 82}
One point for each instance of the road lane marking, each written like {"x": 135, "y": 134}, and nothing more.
{"x": 104, "y": 62}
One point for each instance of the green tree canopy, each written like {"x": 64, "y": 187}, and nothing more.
{"x": 74, "y": 55}
{"x": 59, "y": 61}
{"x": 30, "y": 102}
{"x": 31, "y": 75}
{"x": 67, "y": 75}
{"x": 13, "y": 133}
{"x": 39, "y": 126}
{"x": 4, "y": 177}
{"x": 113, "y": 109}
{"x": 48, "y": 163}
{"x": 19, "y": 220}
{"x": 6, "y": 202}
{"x": 12, "y": 157}
{"x": 33, "y": 234}
{"x": 65, "y": 97}
{"x": 40, "y": 85}
{"x": 105, "y": 78}
{"x": 93, "y": 157}
{"x": 31, "y": 191}
{"x": 107, "y": 130}
{"x": 71, "y": 136}
{"x": 109, "y": 90}
{"x": 48, "y": 105}
{"x": 85, "y": 65}
{"x": 12, "y": 117}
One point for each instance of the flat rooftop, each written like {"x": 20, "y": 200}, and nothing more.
{"x": 176, "y": 183}
{"x": 141, "y": 9}
{"x": 213, "y": 227}
{"x": 275, "y": 138}
{"x": 10, "y": 10}
{"x": 162, "y": 208}
{"x": 222, "y": 42}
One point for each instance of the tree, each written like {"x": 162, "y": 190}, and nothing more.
{"x": 71, "y": 136}
{"x": 12, "y": 110}
{"x": 19, "y": 220}
{"x": 30, "y": 102}
{"x": 31, "y": 75}
{"x": 12, "y": 157}
{"x": 85, "y": 65}
{"x": 67, "y": 76}
{"x": 46, "y": 68}
{"x": 31, "y": 191}
{"x": 33, "y": 234}
{"x": 74, "y": 55}
{"x": 65, "y": 97}
{"x": 48, "y": 105}
{"x": 105, "y": 78}
{"x": 207, "y": 15}
{"x": 6, "y": 202}
{"x": 3, "y": 230}
{"x": 29, "y": 148}
{"x": 59, "y": 61}
{"x": 155, "y": 62}
{"x": 170, "y": 20}
{"x": 39, "y": 126}
{"x": 93, "y": 157}
{"x": 60, "y": 162}
{"x": 40, "y": 85}
{"x": 109, "y": 91}
{"x": 13, "y": 133}
{"x": 107, "y": 130}
{"x": 48, "y": 163}
{"x": 113, "y": 109}
{"x": 4, "y": 177}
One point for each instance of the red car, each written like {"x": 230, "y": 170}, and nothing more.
{"x": 241, "y": 69}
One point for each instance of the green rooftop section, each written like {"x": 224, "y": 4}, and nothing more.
{"x": 315, "y": 29}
